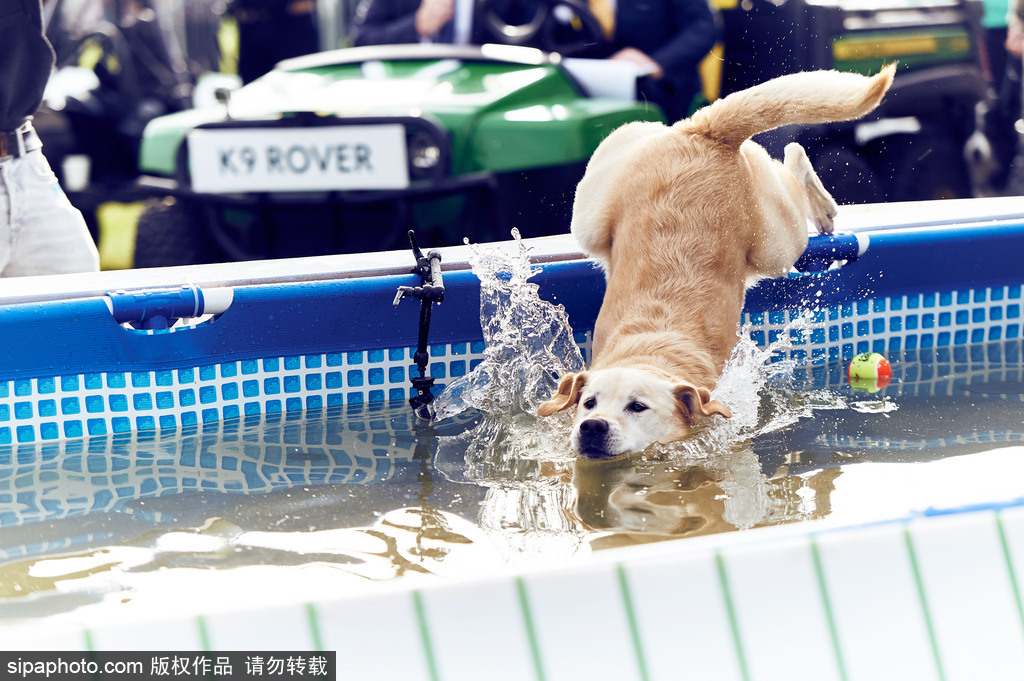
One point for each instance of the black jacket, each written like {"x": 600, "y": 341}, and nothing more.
{"x": 26, "y": 59}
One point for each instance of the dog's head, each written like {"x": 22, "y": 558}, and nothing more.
{"x": 623, "y": 410}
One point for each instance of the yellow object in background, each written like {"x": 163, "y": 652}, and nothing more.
{"x": 711, "y": 72}
{"x": 227, "y": 39}
{"x": 711, "y": 66}
{"x": 605, "y": 15}
{"x": 118, "y": 223}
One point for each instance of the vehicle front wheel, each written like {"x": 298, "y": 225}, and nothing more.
{"x": 172, "y": 231}
{"x": 925, "y": 167}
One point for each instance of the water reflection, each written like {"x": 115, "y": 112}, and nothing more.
{"x": 80, "y": 521}
{"x": 671, "y": 498}
{"x": 364, "y": 496}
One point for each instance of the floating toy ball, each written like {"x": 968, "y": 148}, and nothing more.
{"x": 869, "y": 372}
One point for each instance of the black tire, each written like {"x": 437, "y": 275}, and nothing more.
{"x": 846, "y": 174}
{"x": 924, "y": 167}
{"x": 172, "y": 231}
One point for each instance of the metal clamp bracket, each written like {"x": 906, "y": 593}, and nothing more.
{"x": 431, "y": 291}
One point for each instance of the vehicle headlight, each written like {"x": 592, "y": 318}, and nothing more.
{"x": 424, "y": 154}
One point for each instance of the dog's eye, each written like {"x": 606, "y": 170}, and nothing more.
{"x": 636, "y": 407}
{"x": 590, "y": 403}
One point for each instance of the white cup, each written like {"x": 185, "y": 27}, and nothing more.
{"x": 76, "y": 172}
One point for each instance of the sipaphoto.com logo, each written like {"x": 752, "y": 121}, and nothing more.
{"x": 58, "y": 666}
{"x": 147, "y": 666}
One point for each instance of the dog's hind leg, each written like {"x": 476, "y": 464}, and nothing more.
{"x": 821, "y": 207}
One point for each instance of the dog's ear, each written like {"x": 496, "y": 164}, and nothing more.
{"x": 693, "y": 402}
{"x": 567, "y": 396}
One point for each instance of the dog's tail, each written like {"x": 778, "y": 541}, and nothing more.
{"x": 810, "y": 97}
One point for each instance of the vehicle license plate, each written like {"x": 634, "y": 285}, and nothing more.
{"x": 319, "y": 158}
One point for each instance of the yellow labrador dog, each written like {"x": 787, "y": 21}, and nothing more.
{"x": 683, "y": 218}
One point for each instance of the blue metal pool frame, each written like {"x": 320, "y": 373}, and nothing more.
{"x": 72, "y": 371}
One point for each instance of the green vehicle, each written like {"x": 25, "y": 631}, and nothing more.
{"x": 345, "y": 151}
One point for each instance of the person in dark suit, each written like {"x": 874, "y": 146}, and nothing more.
{"x": 667, "y": 38}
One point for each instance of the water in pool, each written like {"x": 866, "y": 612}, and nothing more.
{"x": 341, "y": 501}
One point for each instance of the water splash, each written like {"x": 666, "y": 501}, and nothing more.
{"x": 755, "y": 388}
{"x": 529, "y": 340}
{"x": 529, "y": 344}
{"x": 516, "y": 455}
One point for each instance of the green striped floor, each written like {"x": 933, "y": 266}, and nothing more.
{"x": 930, "y": 598}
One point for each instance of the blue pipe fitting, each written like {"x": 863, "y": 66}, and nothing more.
{"x": 153, "y": 309}
{"x": 824, "y": 250}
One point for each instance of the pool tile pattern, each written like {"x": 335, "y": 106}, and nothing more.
{"x": 938, "y": 327}
{"x": 118, "y": 402}
{"x": 918, "y": 321}
{"x": 252, "y": 455}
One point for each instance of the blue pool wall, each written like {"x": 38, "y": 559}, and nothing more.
{"x": 73, "y": 372}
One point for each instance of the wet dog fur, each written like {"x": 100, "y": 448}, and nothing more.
{"x": 683, "y": 219}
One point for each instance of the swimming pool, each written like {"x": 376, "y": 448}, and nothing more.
{"x": 262, "y": 468}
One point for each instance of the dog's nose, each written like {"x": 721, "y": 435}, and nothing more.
{"x": 592, "y": 438}
{"x": 594, "y": 427}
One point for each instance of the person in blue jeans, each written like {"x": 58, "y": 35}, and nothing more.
{"x": 40, "y": 231}
{"x": 666, "y": 38}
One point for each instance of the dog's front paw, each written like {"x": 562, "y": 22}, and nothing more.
{"x": 821, "y": 207}
{"x": 823, "y": 212}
